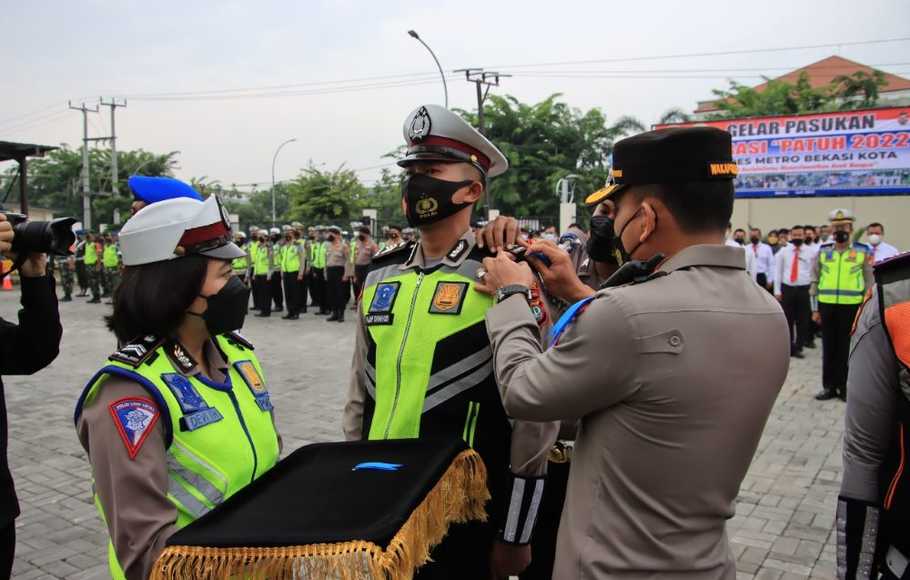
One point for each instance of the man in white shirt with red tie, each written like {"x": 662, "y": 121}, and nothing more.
{"x": 881, "y": 250}
{"x": 792, "y": 278}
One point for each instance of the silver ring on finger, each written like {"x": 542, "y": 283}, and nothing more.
{"x": 480, "y": 274}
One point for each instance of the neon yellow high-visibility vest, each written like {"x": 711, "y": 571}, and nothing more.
{"x": 840, "y": 275}
{"x": 219, "y": 438}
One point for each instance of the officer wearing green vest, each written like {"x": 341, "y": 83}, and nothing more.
{"x": 179, "y": 419}
{"x": 111, "y": 261}
{"x": 241, "y": 265}
{"x": 261, "y": 256}
{"x": 293, "y": 260}
{"x": 318, "y": 250}
{"x": 93, "y": 268}
{"x": 422, "y": 363}
{"x": 873, "y": 507}
{"x": 842, "y": 275}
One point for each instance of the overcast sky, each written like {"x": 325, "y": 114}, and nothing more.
{"x": 56, "y": 50}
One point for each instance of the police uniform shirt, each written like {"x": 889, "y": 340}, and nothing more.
{"x": 873, "y": 388}
{"x": 671, "y": 412}
{"x": 338, "y": 254}
{"x": 140, "y": 525}
{"x": 364, "y": 252}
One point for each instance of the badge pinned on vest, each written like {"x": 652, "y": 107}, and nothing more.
{"x": 448, "y": 298}
{"x": 196, "y": 412}
{"x": 380, "y": 311}
{"x": 134, "y": 417}
{"x": 254, "y": 381}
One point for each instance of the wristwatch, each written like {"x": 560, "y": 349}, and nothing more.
{"x": 507, "y": 291}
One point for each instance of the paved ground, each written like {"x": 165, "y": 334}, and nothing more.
{"x": 783, "y": 528}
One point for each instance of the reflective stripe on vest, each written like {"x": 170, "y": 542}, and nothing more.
{"x": 840, "y": 278}
{"x": 426, "y": 308}
{"x": 212, "y": 460}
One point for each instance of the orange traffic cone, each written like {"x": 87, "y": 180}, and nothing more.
{"x": 7, "y": 283}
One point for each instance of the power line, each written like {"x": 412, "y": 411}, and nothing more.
{"x": 712, "y": 53}
{"x": 330, "y": 91}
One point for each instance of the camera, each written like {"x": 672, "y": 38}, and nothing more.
{"x": 54, "y": 237}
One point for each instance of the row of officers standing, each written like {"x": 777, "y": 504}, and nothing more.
{"x": 297, "y": 269}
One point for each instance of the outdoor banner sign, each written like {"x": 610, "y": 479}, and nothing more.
{"x": 864, "y": 152}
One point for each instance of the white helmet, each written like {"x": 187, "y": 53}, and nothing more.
{"x": 274, "y": 231}
{"x": 178, "y": 227}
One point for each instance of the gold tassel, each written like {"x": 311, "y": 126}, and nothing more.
{"x": 459, "y": 496}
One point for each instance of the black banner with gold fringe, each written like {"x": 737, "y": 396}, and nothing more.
{"x": 349, "y": 511}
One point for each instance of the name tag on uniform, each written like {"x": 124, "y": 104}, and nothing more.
{"x": 379, "y": 319}
{"x": 199, "y": 419}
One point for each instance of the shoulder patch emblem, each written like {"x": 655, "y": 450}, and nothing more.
{"x": 448, "y": 298}
{"x": 137, "y": 352}
{"x": 189, "y": 398}
{"x": 254, "y": 381}
{"x": 134, "y": 418}
{"x": 384, "y": 298}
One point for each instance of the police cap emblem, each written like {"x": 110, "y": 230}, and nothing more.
{"x": 420, "y": 125}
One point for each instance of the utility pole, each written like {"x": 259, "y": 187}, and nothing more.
{"x": 481, "y": 79}
{"x": 86, "y": 193}
{"x": 115, "y": 189}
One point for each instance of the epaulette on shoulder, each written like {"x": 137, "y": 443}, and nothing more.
{"x": 138, "y": 351}
{"x": 398, "y": 252}
{"x": 238, "y": 339}
{"x": 827, "y": 245}
{"x": 862, "y": 246}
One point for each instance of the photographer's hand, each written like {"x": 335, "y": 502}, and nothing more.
{"x": 6, "y": 234}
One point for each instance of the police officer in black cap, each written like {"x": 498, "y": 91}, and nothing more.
{"x": 670, "y": 409}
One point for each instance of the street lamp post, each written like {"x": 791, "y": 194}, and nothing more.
{"x": 274, "y": 158}
{"x": 413, "y": 34}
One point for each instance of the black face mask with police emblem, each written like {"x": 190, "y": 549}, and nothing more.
{"x": 429, "y": 200}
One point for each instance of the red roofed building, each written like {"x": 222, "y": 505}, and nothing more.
{"x": 822, "y": 74}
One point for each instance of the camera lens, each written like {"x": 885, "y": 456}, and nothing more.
{"x": 53, "y": 237}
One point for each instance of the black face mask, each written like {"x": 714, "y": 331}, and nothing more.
{"x": 601, "y": 244}
{"x": 362, "y": 238}
{"x": 227, "y": 309}
{"x": 841, "y": 237}
{"x": 740, "y": 241}
{"x": 429, "y": 200}
{"x": 754, "y": 239}
{"x": 330, "y": 238}
{"x": 796, "y": 243}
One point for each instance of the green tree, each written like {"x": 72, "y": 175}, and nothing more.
{"x": 325, "y": 196}
{"x": 544, "y": 142}
{"x": 859, "y": 90}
